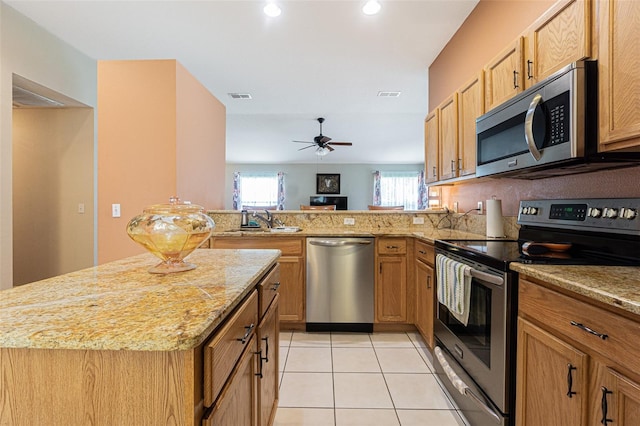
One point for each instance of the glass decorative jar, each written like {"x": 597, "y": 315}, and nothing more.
{"x": 171, "y": 232}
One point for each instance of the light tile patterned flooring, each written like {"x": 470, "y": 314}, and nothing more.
{"x": 345, "y": 379}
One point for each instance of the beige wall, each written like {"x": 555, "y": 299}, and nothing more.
{"x": 491, "y": 26}
{"x": 52, "y": 175}
{"x": 29, "y": 51}
{"x": 160, "y": 134}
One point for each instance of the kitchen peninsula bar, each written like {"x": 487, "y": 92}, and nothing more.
{"x": 114, "y": 344}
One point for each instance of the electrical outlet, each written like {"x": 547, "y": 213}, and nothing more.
{"x": 455, "y": 207}
{"x": 418, "y": 220}
{"x": 115, "y": 210}
{"x": 349, "y": 221}
{"x": 480, "y": 207}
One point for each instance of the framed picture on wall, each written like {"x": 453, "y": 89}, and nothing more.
{"x": 327, "y": 183}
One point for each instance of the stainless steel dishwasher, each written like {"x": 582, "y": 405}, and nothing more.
{"x": 340, "y": 284}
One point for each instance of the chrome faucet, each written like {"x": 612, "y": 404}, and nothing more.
{"x": 268, "y": 220}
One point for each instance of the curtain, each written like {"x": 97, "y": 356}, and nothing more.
{"x": 280, "y": 190}
{"x": 423, "y": 198}
{"x": 376, "y": 188}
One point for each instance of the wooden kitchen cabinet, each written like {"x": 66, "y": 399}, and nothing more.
{"x": 268, "y": 362}
{"x": 431, "y": 142}
{"x": 448, "y": 137}
{"x": 425, "y": 290}
{"x": 470, "y": 107}
{"x": 618, "y": 77}
{"x": 503, "y": 77}
{"x": 548, "y": 369}
{"x": 292, "y": 270}
{"x": 560, "y": 36}
{"x": 558, "y": 331}
{"x": 391, "y": 280}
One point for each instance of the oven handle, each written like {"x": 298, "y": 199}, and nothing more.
{"x": 462, "y": 387}
{"x": 490, "y": 278}
{"x": 528, "y": 127}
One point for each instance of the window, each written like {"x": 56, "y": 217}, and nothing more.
{"x": 399, "y": 189}
{"x": 258, "y": 189}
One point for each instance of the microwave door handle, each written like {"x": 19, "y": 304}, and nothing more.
{"x": 528, "y": 127}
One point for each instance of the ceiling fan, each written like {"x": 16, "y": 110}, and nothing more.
{"x": 322, "y": 143}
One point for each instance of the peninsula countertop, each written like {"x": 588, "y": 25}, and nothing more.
{"x": 121, "y": 306}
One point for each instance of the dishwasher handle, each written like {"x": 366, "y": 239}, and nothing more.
{"x": 339, "y": 243}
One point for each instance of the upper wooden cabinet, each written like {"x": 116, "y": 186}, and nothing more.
{"x": 431, "y": 138}
{"x": 560, "y": 36}
{"x": 503, "y": 75}
{"x": 470, "y": 107}
{"x": 619, "y": 80}
{"x": 448, "y": 137}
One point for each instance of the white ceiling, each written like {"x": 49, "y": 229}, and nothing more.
{"x": 320, "y": 58}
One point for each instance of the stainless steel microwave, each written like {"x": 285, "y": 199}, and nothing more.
{"x": 550, "y": 129}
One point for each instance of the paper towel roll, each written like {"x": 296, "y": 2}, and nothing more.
{"x": 495, "y": 227}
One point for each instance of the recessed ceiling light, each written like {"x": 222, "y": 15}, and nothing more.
{"x": 388, "y": 94}
{"x": 240, "y": 95}
{"x": 371, "y": 7}
{"x": 272, "y": 10}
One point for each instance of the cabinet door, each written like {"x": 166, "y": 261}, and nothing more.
{"x": 268, "y": 344}
{"x": 237, "y": 403}
{"x": 425, "y": 301}
{"x": 448, "y": 142}
{"x": 551, "y": 379}
{"x": 292, "y": 289}
{"x": 614, "y": 397}
{"x": 503, "y": 75}
{"x": 391, "y": 289}
{"x": 619, "y": 80}
{"x": 431, "y": 136}
{"x": 470, "y": 107}
{"x": 561, "y": 36}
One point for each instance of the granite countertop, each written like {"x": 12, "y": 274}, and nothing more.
{"x": 617, "y": 286}
{"x": 121, "y": 306}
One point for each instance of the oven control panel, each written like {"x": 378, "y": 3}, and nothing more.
{"x": 616, "y": 215}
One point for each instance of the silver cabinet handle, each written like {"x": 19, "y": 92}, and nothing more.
{"x": 528, "y": 127}
{"x": 276, "y": 285}
{"x": 327, "y": 243}
{"x": 589, "y": 330}
{"x": 244, "y": 338}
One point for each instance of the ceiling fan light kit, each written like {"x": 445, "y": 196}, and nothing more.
{"x": 322, "y": 143}
{"x": 272, "y": 10}
{"x": 371, "y": 7}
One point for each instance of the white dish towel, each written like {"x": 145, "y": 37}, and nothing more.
{"x": 454, "y": 287}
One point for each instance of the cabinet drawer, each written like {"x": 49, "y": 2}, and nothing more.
{"x": 288, "y": 246}
{"x": 392, "y": 246}
{"x": 425, "y": 252}
{"x": 268, "y": 289}
{"x": 223, "y": 351}
{"x": 570, "y": 317}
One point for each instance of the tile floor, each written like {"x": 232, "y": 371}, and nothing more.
{"x": 346, "y": 379}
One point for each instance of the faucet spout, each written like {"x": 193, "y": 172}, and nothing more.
{"x": 268, "y": 220}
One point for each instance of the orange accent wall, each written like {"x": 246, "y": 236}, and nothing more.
{"x": 490, "y": 27}
{"x": 144, "y": 141}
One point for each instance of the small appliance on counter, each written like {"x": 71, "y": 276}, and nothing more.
{"x": 476, "y": 360}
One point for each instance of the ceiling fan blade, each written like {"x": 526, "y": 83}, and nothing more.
{"x": 310, "y": 146}
{"x": 303, "y": 142}
{"x": 329, "y": 148}
{"x": 324, "y": 139}
{"x": 341, "y": 143}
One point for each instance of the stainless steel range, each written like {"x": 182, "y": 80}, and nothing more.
{"x": 475, "y": 328}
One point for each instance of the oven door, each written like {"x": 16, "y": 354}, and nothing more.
{"x": 481, "y": 346}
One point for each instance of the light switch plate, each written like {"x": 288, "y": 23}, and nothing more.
{"x": 115, "y": 210}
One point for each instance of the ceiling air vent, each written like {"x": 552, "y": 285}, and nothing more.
{"x": 26, "y": 98}
{"x": 388, "y": 94}
{"x": 240, "y": 95}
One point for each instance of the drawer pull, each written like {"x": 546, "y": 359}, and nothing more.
{"x": 392, "y": 247}
{"x": 276, "y": 285}
{"x": 570, "y": 391}
{"x": 605, "y": 406}
{"x": 422, "y": 252}
{"x": 589, "y": 330}
{"x": 244, "y": 338}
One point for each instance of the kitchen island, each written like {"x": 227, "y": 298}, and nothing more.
{"x": 114, "y": 344}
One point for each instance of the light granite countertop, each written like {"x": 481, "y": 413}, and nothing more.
{"x": 121, "y": 306}
{"x": 616, "y": 286}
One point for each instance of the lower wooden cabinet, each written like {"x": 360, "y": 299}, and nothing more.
{"x": 578, "y": 363}
{"x": 425, "y": 294}
{"x": 268, "y": 362}
{"x": 391, "y": 280}
{"x": 552, "y": 379}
